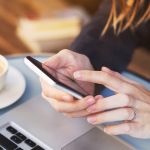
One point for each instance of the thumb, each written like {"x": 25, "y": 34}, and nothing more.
{"x": 56, "y": 61}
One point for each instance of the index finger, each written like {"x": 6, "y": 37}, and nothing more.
{"x": 112, "y": 82}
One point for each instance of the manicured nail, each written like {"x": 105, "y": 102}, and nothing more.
{"x": 92, "y": 120}
{"x": 98, "y": 97}
{"x": 77, "y": 75}
{"x": 67, "y": 98}
{"x": 106, "y": 131}
{"x": 90, "y": 101}
{"x": 106, "y": 68}
{"x": 110, "y": 133}
{"x": 92, "y": 109}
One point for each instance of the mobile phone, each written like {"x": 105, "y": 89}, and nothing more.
{"x": 56, "y": 78}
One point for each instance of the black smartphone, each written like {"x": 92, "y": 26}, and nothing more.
{"x": 55, "y": 78}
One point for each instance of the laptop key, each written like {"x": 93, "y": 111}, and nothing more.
{"x": 37, "y": 148}
{"x": 19, "y": 148}
{"x": 16, "y": 139}
{"x": 30, "y": 143}
{"x": 21, "y": 136}
{"x": 6, "y": 143}
{"x": 1, "y": 148}
{"x": 11, "y": 130}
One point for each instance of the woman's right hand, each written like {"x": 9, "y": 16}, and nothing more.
{"x": 67, "y": 62}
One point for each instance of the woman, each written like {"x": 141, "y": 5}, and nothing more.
{"x": 100, "y": 44}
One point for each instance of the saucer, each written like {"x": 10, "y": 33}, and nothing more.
{"x": 14, "y": 88}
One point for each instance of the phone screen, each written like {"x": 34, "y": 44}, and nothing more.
{"x": 59, "y": 78}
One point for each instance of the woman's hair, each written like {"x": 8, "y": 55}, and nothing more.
{"x": 126, "y": 14}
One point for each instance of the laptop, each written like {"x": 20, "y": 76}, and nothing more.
{"x": 34, "y": 125}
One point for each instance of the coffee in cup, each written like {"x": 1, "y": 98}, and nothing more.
{"x": 3, "y": 71}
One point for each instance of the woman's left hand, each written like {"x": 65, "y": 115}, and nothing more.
{"x": 130, "y": 105}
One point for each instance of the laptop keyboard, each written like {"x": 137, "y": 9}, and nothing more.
{"x": 13, "y": 139}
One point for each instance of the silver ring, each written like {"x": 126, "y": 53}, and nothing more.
{"x": 134, "y": 115}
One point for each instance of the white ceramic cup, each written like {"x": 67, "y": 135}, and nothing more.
{"x": 3, "y": 71}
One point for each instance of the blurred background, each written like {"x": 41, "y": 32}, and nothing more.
{"x": 43, "y": 26}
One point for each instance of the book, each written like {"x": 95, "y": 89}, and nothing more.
{"x": 48, "y": 34}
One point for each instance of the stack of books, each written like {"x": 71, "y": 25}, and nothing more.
{"x": 44, "y": 35}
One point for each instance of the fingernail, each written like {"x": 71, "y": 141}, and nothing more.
{"x": 66, "y": 98}
{"x": 77, "y": 75}
{"x": 92, "y": 120}
{"x": 106, "y": 131}
{"x": 106, "y": 68}
{"x": 98, "y": 97}
{"x": 92, "y": 109}
{"x": 90, "y": 101}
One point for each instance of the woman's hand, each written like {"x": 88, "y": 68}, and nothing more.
{"x": 67, "y": 62}
{"x": 130, "y": 105}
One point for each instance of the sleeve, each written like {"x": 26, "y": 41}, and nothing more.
{"x": 110, "y": 50}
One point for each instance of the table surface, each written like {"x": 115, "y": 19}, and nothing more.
{"x": 33, "y": 88}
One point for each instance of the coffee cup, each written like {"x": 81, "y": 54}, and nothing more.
{"x": 3, "y": 71}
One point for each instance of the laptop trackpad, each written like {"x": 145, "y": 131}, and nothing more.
{"x": 95, "y": 139}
